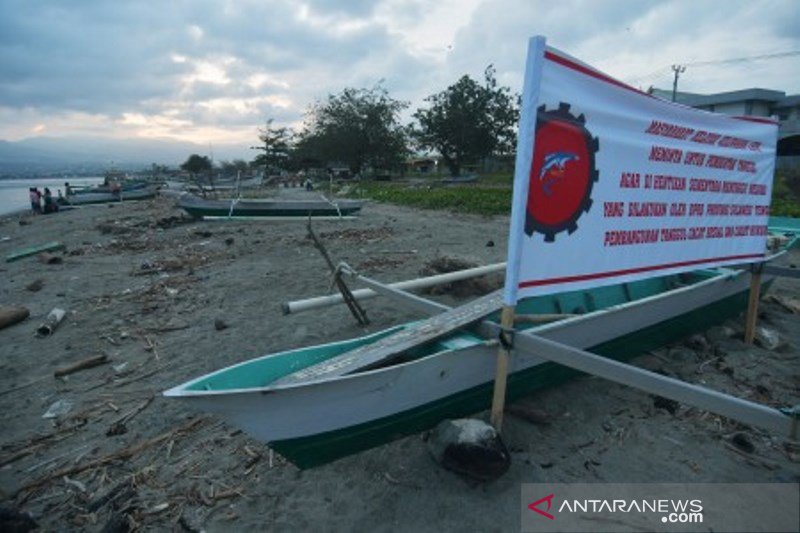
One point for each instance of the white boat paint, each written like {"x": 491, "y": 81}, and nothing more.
{"x": 272, "y": 413}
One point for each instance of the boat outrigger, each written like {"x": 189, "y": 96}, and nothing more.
{"x": 301, "y": 403}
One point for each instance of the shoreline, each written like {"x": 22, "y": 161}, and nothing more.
{"x": 144, "y": 285}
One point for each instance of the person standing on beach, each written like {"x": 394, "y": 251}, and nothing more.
{"x": 36, "y": 201}
{"x": 49, "y": 205}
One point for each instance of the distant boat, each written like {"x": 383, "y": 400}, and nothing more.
{"x": 265, "y": 208}
{"x": 104, "y": 197}
{"x": 471, "y": 178}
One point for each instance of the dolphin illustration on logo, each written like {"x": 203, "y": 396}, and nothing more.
{"x": 554, "y": 167}
{"x": 557, "y": 161}
{"x": 562, "y": 174}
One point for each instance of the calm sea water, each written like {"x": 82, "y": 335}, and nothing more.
{"x": 14, "y": 193}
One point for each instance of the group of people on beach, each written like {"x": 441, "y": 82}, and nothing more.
{"x": 50, "y": 205}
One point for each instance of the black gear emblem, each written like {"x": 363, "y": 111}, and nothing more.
{"x": 563, "y": 172}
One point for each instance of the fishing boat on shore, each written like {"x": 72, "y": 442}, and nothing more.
{"x": 266, "y": 208}
{"x": 104, "y": 197}
{"x": 314, "y": 416}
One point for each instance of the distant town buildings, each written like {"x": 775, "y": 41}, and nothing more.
{"x": 753, "y": 102}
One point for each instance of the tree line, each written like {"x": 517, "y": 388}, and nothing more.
{"x": 362, "y": 129}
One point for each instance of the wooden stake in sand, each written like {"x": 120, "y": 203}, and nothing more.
{"x": 752, "y": 303}
{"x": 352, "y": 304}
{"x": 501, "y": 375}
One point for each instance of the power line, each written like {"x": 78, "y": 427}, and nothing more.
{"x": 665, "y": 70}
{"x": 744, "y": 59}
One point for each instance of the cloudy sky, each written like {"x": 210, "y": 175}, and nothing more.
{"x": 213, "y": 71}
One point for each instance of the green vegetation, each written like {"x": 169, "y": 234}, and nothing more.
{"x": 468, "y": 121}
{"x": 478, "y": 199}
{"x": 786, "y": 194}
{"x": 491, "y": 195}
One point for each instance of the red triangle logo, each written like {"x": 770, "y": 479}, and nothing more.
{"x": 549, "y": 500}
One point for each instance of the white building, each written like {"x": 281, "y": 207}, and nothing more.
{"x": 753, "y": 102}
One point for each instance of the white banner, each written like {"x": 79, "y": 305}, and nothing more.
{"x": 621, "y": 185}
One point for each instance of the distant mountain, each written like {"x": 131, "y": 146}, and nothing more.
{"x": 87, "y": 155}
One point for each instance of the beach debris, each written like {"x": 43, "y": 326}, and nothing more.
{"x": 23, "y": 222}
{"x": 767, "y": 338}
{"x": 720, "y": 333}
{"x": 119, "y": 427}
{"x": 229, "y": 241}
{"x": 698, "y": 343}
{"x": 671, "y": 406}
{"x": 529, "y": 413}
{"x": 741, "y": 441}
{"x": 75, "y": 483}
{"x": 359, "y": 236}
{"x": 121, "y": 491}
{"x": 220, "y": 324}
{"x": 789, "y": 304}
{"x": 122, "y": 454}
{"x": 54, "y": 318}
{"x": 682, "y": 355}
{"x": 83, "y": 364}
{"x": 469, "y": 447}
{"x": 11, "y": 315}
{"x": 16, "y": 521}
{"x": 35, "y": 286}
{"x": 490, "y": 244}
{"x": 58, "y": 408}
{"x": 119, "y": 522}
{"x": 50, "y": 259}
{"x": 463, "y": 288}
{"x": 34, "y": 250}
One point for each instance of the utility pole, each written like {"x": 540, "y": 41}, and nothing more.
{"x": 678, "y": 70}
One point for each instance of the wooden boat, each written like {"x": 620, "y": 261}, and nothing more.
{"x": 455, "y": 180}
{"x": 322, "y": 418}
{"x": 249, "y": 208}
{"x": 102, "y": 197}
{"x": 125, "y": 186}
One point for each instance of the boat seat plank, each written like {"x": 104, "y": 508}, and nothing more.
{"x": 393, "y": 346}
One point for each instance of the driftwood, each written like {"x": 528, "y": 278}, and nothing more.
{"x": 89, "y": 362}
{"x": 23, "y": 386}
{"x": 118, "y": 426}
{"x": 11, "y": 315}
{"x": 125, "y": 453}
{"x": 50, "y": 259}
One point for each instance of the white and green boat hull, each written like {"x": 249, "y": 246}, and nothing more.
{"x": 314, "y": 422}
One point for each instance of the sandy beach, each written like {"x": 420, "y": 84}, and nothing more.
{"x": 151, "y": 289}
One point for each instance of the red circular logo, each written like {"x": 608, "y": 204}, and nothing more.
{"x": 562, "y": 173}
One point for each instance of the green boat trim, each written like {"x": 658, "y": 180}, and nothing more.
{"x": 308, "y": 452}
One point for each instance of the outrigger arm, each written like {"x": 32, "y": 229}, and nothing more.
{"x": 781, "y": 421}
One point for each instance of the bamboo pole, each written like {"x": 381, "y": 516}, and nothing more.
{"x": 752, "y": 304}
{"x": 501, "y": 375}
{"x": 298, "y": 306}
